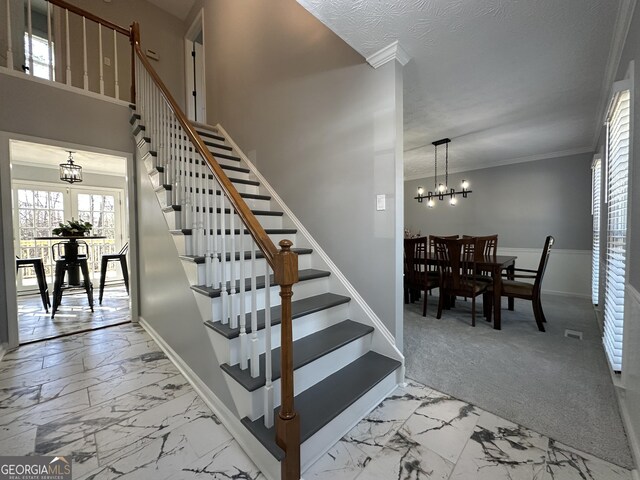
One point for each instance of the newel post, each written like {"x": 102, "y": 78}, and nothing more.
{"x": 287, "y": 421}
{"x": 134, "y": 38}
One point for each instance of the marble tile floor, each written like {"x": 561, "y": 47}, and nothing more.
{"x": 73, "y": 315}
{"x": 112, "y": 400}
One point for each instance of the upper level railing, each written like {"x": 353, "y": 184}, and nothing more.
{"x": 69, "y": 45}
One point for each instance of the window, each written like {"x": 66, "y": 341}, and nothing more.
{"x": 41, "y": 56}
{"x": 618, "y": 128}
{"x": 596, "y": 171}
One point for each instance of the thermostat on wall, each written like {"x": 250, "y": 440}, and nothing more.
{"x": 152, "y": 54}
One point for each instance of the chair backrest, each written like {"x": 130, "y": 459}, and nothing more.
{"x": 544, "y": 259}
{"x": 124, "y": 249}
{"x": 456, "y": 262}
{"x": 486, "y": 246}
{"x": 415, "y": 250}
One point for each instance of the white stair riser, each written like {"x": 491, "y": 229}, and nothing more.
{"x": 175, "y": 220}
{"x": 165, "y": 177}
{"x": 185, "y": 243}
{"x": 164, "y": 196}
{"x": 302, "y": 327}
{"x": 251, "y": 404}
{"x": 211, "y": 308}
{"x": 196, "y": 271}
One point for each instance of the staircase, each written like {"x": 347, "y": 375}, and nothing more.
{"x": 343, "y": 359}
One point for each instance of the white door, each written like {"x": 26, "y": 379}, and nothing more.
{"x": 194, "y": 53}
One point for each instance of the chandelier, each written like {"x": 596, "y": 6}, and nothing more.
{"x": 69, "y": 171}
{"x": 440, "y": 189}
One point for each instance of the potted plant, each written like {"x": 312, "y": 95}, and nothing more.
{"x": 73, "y": 228}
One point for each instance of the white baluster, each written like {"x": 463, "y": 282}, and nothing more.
{"x": 224, "y": 294}
{"x": 50, "y": 42}
{"x": 216, "y": 261}
{"x": 68, "y": 79}
{"x": 187, "y": 217}
{"x": 233, "y": 316}
{"x": 244, "y": 344}
{"x": 115, "y": 64}
{"x": 30, "y": 36}
{"x": 101, "y": 59}
{"x": 9, "y": 39}
{"x": 268, "y": 386}
{"x": 255, "y": 354}
{"x": 85, "y": 77}
{"x": 206, "y": 225}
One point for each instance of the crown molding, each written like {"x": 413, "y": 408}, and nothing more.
{"x": 393, "y": 51}
{"x": 501, "y": 163}
{"x": 620, "y": 31}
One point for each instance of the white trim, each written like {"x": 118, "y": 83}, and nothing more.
{"x": 353, "y": 293}
{"x": 258, "y": 454}
{"x": 196, "y": 25}
{"x": 500, "y": 163}
{"x": 62, "y": 86}
{"x": 393, "y": 51}
{"x": 635, "y": 475}
{"x": 3, "y": 350}
{"x": 620, "y": 32}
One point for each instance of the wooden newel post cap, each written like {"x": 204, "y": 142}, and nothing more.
{"x": 286, "y": 264}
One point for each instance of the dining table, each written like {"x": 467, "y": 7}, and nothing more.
{"x": 495, "y": 265}
{"x": 71, "y": 253}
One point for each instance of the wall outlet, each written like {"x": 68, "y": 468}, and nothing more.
{"x": 107, "y": 61}
{"x": 381, "y": 202}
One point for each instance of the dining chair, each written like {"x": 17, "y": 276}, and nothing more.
{"x": 418, "y": 275}
{"x": 120, "y": 257}
{"x": 526, "y": 290}
{"x": 64, "y": 265}
{"x": 38, "y": 266}
{"x": 457, "y": 266}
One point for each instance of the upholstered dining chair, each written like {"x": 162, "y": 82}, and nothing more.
{"x": 526, "y": 290}
{"x": 456, "y": 266}
{"x": 418, "y": 275}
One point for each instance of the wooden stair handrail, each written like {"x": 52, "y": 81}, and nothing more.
{"x": 90, "y": 16}
{"x": 265, "y": 244}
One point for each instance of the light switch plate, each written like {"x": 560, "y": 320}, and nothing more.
{"x": 381, "y": 202}
{"x": 107, "y": 61}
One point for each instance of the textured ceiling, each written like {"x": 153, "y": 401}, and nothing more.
{"x": 506, "y": 80}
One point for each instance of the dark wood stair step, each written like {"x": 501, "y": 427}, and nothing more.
{"x": 323, "y": 402}
{"x": 232, "y": 168}
{"x": 205, "y": 133}
{"x": 303, "y": 276}
{"x": 305, "y": 351}
{"x": 299, "y": 308}
{"x": 252, "y": 196}
{"x": 247, "y": 255}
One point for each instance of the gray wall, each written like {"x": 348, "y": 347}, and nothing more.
{"x": 46, "y": 112}
{"x": 319, "y": 123}
{"x": 523, "y": 203}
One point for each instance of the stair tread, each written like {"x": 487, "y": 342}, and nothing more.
{"x": 299, "y": 308}
{"x": 199, "y": 259}
{"x": 305, "y": 351}
{"x": 203, "y": 133}
{"x": 227, "y": 231}
{"x": 305, "y": 274}
{"x": 232, "y": 168}
{"x": 323, "y": 402}
{"x": 264, "y": 213}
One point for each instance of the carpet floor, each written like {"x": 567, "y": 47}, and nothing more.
{"x": 558, "y": 386}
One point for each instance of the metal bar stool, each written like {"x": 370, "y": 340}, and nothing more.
{"x": 121, "y": 257}
{"x": 65, "y": 264}
{"x": 38, "y": 266}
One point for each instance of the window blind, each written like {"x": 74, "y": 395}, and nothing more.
{"x": 617, "y": 195}
{"x": 595, "y": 211}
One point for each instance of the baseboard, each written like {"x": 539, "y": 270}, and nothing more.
{"x": 566, "y": 294}
{"x": 267, "y": 464}
{"x": 634, "y": 445}
{"x": 4, "y": 348}
{"x": 634, "y": 474}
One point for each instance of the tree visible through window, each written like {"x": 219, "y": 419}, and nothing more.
{"x": 40, "y": 54}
